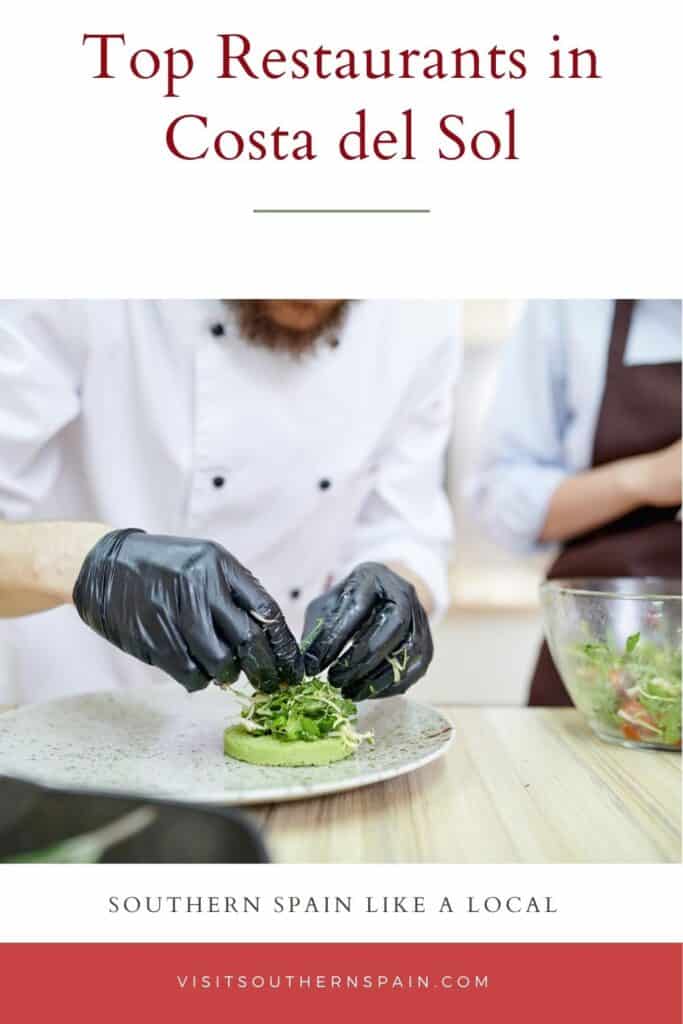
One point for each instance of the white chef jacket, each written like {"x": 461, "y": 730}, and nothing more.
{"x": 149, "y": 414}
{"x": 542, "y": 423}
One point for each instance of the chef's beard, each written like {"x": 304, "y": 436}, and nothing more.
{"x": 259, "y": 328}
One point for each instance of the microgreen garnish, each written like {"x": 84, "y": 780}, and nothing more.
{"x": 313, "y": 635}
{"x": 312, "y": 710}
{"x": 399, "y": 663}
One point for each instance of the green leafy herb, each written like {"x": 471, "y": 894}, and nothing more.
{"x": 632, "y": 642}
{"x": 310, "y": 711}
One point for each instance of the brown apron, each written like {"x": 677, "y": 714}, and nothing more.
{"x": 640, "y": 412}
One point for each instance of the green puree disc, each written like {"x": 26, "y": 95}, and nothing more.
{"x": 267, "y": 750}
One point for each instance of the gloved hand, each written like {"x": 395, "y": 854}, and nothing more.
{"x": 188, "y": 607}
{"x": 380, "y": 613}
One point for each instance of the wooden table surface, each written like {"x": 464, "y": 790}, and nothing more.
{"x": 517, "y": 785}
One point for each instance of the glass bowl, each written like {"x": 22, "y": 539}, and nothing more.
{"x": 616, "y": 644}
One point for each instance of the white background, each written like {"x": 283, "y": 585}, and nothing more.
{"x": 619, "y": 903}
{"x": 92, "y": 205}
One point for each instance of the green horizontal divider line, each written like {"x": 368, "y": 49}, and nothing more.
{"x": 339, "y": 211}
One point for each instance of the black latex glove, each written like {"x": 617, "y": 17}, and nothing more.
{"x": 380, "y": 613}
{"x": 188, "y": 607}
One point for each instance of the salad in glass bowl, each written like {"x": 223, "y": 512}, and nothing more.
{"x": 616, "y": 644}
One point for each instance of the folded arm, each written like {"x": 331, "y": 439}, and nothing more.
{"x": 598, "y": 496}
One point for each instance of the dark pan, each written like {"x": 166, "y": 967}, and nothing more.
{"x": 35, "y": 817}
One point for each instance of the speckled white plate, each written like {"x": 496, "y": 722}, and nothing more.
{"x": 160, "y": 741}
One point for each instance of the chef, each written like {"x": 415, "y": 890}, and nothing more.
{"x": 196, "y": 483}
{"x": 583, "y": 447}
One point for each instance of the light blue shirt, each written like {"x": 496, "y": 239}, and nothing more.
{"x": 542, "y": 423}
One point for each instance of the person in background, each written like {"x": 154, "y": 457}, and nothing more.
{"x": 188, "y": 477}
{"x": 583, "y": 445}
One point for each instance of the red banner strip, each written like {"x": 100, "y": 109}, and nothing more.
{"x": 121, "y": 983}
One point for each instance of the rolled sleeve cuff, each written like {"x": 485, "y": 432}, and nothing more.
{"x": 515, "y": 506}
